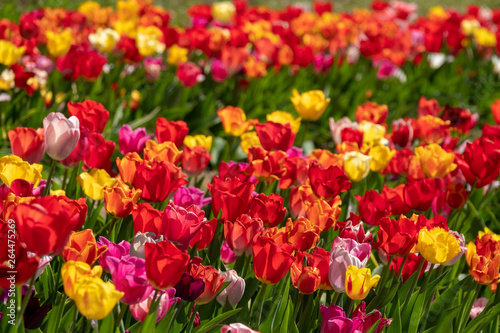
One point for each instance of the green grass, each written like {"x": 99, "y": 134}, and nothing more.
{"x": 13, "y": 8}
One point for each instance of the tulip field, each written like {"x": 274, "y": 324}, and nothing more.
{"x": 300, "y": 168}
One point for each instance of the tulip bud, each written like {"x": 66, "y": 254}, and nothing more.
{"x": 61, "y": 135}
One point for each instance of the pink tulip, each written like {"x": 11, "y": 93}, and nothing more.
{"x": 132, "y": 141}
{"x": 187, "y": 196}
{"x": 334, "y": 320}
{"x": 234, "y": 291}
{"x": 129, "y": 275}
{"x": 478, "y": 307}
{"x": 140, "y": 310}
{"x": 181, "y": 224}
{"x": 346, "y": 252}
{"x": 226, "y": 254}
{"x": 237, "y": 328}
{"x": 61, "y": 135}
{"x": 114, "y": 250}
{"x": 219, "y": 71}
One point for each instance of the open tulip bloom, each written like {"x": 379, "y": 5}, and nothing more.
{"x": 253, "y": 170}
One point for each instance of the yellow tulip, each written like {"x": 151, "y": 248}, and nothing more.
{"x": 13, "y": 167}
{"x": 359, "y": 281}
{"x": 199, "y": 140}
{"x": 494, "y": 236}
{"x": 58, "y": 192}
{"x": 434, "y": 161}
{"x": 127, "y": 10}
{"x": 127, "y": 28}
{"x": 356, "y": 165}
{"x": 177, "y": 55}
{"x": 311, "y": 104}
{"x": 437, "y": 245}
{"x": 7, "y": 78}
{"x": 75, "y": 270}
{"x": 9, "y": 53}
{"x": 373, "y": 134}
{"x": 485, "y": 38}
{"x": 58, "y": 44}
{"x": 93, "y": 183}
{"x": 223, "y": 11}
{"x": 469, "y": 26}
{"x": 104, "y": 40}
{"x": 283, "y": 117}
{"x": 249, "y": 140}
{"x": 381, "y": 156}
{"x": 148, "y": 40}
{"x": 95, "y": 298}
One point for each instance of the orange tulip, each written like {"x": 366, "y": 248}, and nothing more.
{"x": 235, "y": 121}
{"x": 127, "y": 166}
{"x": 82, "y": 246}
{"x": 120, "y": 200}
{"x": 158, "y": 152}
{"x": 212, "y": 277}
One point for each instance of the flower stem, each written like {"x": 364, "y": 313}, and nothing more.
{"x": 413, "y": 285}
{"x": 181, "y": 303}
{"x": 118, "y": 321}
{"x": 46, "y": 190}
{"x": 261, "y": 301}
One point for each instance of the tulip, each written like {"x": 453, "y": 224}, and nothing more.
{"x": 242, "y": 234}
{"x": 495, "y": 111}
{"x": 437, "y": 246}
{"x": 82, "y": 246}
{"x": 345, "y": 253}
{"x": 283, "y": 117}
{"x": 396, "y": 237}
{"x": 270, "y": 209}
{"x": 9, "y": 53}
{"x": 270, "y": 261}
{"x": 129, "y": 276}
{"x": 177, "y": 55}
{"x": 13, "y": 167}
{"x": 104, "y": 40}
{"x": 232, "y": 197}
{"x": 204, "y": 236}
{"x": 359, "y": 281}
{"x": 481, "y": 162}
{"x": 322, "y": 215}
{"x": 138, "y": 243}
{"x": 371, "y": 112}
{"x": 114, "y": 250}
{"x": 147, "y": 219}
{"x": 212, "y": 277}
{"x": 356, "y": 165}
{"x": 434, "y": 161}
{"x": 463, "y": 249}
{"x": 164, "y": 264}
{"x": 189, "y": 74}
{"x": 226, "y": 254}
{"x": 148, "y": 40}
{"x": 235, "y": 121}
{"x": 410, "y": 265}
{"x": 337, "y": 127}
{"x": 73, "y": 271}
{"x": 179, "y": 224}
{"x": 120, "y": 200}
{"x": 195, "y": 160}
{"x": 428, "y": 107}
{"x": 45, "y": 223}
{"x": 58, "y": 44}
{"x": 381, "y": 156}
{"x": 372, "y": 207}
{"x": 94, "y": 182}
{"x": 275, "y": 136}
{"x": 98, "y": 152}
{"x": 302, "y": 234}
{"x": 95, "y": 298}
{"x": 305, "y": 279}
{"x": 394, "y": 198}
{"x": 236, "y": 328}
{"x": 92, "y": 115}
{"x": 301, "y": 198}
{"x": 478, "y": 307}
{"x": 189, "y": 288}
{"x": 328, "y": 182}
{"x": 61, "y": 135}
{"x": 140, "y": 311}
{"x": 310, "y": 105}
{"x": 373, "y": 134}
{"x": 27, "y": 143}
{"x": 266, "y": 165}
{"x": 334, "y": 320}
{"x": 187, "y": 196}
{"x": 234, "y": 291}
{"x": 433, "y": 129}
{"x": 174, "y": 131}
{"x": 131, "y": 141}
{"x": 456, "y": 195}
{"x": 163, "y": 152}
{"x": 419, "y": 194}
{"x": 249, "y": 140}
{"x": 198, "y": 140}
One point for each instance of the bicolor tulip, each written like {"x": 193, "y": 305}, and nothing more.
{"x": 359, "y": 281}
{"x": 82, "y": 246}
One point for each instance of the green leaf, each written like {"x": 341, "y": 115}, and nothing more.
{"x": 395, "y": 326}
{"x": 416, "y": 313}
{"x": 482, "y": 320}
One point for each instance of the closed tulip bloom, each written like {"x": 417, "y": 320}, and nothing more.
{"x": 270, "y": 261}
{"x": 381, "y": 156}
{"x": 234, "y": 291}
{"x": 235, "y": 121}
{"x": 212, "y": 277}
{"x": 13, "y": 167}
{"x": 92, "y": 115}
{"x": 310, "y": 105}
{"x": 120, "y": 200}
{"x": 165, "y": 264}
{"x": 94, "y": 182}
{"x": 195, "y": 160}
{"x": 27, "y": 143}
{"x": 456, "y": 195}
{"x": 199, "y": 140}
{"x": 306, "y": 279}
{"x": 179, "y": 224}
{"x": 242, "y": 234}
{"x": 373, "y": 134}
{"x": 174, "y": 131}
{"x": 75, "y": 270}
{"x": 434, "y": 161}
{"x": 275, "y": 136}
{"x": 356, "y": 165}
{"x": 394, "y": 198}
{"x": 104, "y": 40}
{"x": 396, "y": 237}
{"x": 359, "y": 281}
{"x": 480, "y": 163}
{"x": 61, "y": 135}
{"x": 437, "y": 245}
{"x": 58, "y": 44}
{"x": 140, "y": 310}
{"x": 420, "y": 193}
{"x": 9, "y": 53}
{"x": 129, "y": 276}
{"x": 162, "y": 152}
{"x": 345, "y": 253}
{"x": 95, "y": 298}
{"x": 147, "y": 219}
{"x": 270, "y": 209}
{"x": 372, "y": 207}
{"x": 82, "y": 246}
{"x": 131, "y": 141}
{"x": 203, "y": 237}
{"x": 232, "y": 196}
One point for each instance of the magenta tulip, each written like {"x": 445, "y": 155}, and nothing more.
{"x": 132, "y": 141}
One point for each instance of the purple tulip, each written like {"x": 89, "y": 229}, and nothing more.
{"x": 114, "y": 250}
{"x": 129, "y": 275}
{"x": 187, "y": 196}
{"x": 131, "y": 141}
{"x": 189, "y": 288}
{"x": 346, "y": 252}
{"x": 140, "y": 310}
{"x": 61, "y": 135}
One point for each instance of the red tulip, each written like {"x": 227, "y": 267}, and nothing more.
{"x": 232, "y": 197}
{"x": 275, "y": 136}
{"x": 394, "y": 198}
{"x": 396, "y": 237}
{"x": 269, "y": 209}
{"x": 27, "y": 143}
{"x": 165, "y": 264}
{"x": 419, "y": 193}
{"x": 372, "y": 207}
{"x": 242, "y": 234}
{"x": 328, "y": 182}
{"x": 92, "y": 115}
{"x": 266, "y": 165}
{"x": 179, "y": 224}
{"x": 147, "y": 219}
{"x": 98, "y": 152}
{"x": 352, "y": 135}
{"x": 174, "y": 131}
{"x": 204, "y": 236}
{"x": 271, "y": 262}
{"x": 480, "y": 162}
{"x": 195, "y": 160}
